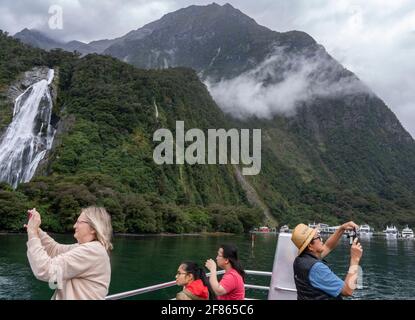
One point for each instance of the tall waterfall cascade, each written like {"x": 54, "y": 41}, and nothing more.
{"x": 30, "y": 135}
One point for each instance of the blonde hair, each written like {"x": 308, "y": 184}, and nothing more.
{"x": 100, "y": 221}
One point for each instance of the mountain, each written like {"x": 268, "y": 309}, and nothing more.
{"x": 217, "y": 41}
{"x": 101, "y": 45}
{"x": 331, "y": 149}
{"x": 334, "y": 138}
{"x": 81, "y": 47}
{"x": 39, "y": 40}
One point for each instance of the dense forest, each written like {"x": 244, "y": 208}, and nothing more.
{"x": 105, "y": 153}
{"x": 105, "y": 113}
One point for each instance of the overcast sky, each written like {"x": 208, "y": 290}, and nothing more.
{"x": 373, "y": 38}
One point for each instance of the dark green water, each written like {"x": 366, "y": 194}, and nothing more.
{"x": 142, "y": 261}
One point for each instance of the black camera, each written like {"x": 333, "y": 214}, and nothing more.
{"x": 352, "y": 235}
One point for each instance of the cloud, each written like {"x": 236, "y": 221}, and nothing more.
{"x": 281, "y": 83}
{"x": 375, "y": 39}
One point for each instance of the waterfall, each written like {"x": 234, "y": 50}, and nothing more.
{"x": 157, "y": 110}
{"x": 29, "y": 136}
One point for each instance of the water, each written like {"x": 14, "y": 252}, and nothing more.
{"x": 147, "y": 260}
{"x": 29, "y": 135}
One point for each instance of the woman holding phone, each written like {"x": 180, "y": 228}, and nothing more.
{"x": 80, "y": 271}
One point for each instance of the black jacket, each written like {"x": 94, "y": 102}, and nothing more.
{"x": 305, "y": 291}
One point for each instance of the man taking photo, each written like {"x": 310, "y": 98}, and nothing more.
{"x": 313, "y": 278}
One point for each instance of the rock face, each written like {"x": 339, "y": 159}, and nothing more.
{"x": 217, "y": 41}
{"x": 26, "y": 80}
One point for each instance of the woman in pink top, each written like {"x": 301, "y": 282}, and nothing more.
{"x": 232, "y": 286}
{"x": 78, "y": 271}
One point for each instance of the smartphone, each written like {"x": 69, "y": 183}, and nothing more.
{"x": 352, "y": 235}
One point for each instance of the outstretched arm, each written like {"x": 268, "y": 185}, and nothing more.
{"x": 52, "y": 247}
{"x": 334, "y": 239}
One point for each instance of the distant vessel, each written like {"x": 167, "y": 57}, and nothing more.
{"x": 332, "y": 229}
{"x": 365, "y": 231}
{"x": 407, "y": 233}
{"x": 312, "y": 225}
{"x": 263, "y": 229}
{"x": 285, "y": 229}
{"x": 324, "y": 228}
{"x": 391, "y": 232}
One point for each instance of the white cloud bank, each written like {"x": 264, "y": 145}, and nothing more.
{"x": 280, "y": 83}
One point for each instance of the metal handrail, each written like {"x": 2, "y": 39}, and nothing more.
{"x": 137, "y": 292}
{"x": 254, "y": 286}
{"x": 169, "y": 284}
{"x": 259, "y": 273}
{"x": 285, "y": 289}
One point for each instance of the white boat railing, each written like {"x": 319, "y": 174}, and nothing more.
{"x": 169, "y": 284}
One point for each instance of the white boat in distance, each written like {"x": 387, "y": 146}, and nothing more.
{"x": 407, "y": 233}
{"x": 284, "y": 228}
{"x": 323, "y": 228}
{"x": 312, "y": 225}
{"x": 365, "y": 231}
{"x": 328, "y": 229}
{"x": 391, "y": 232}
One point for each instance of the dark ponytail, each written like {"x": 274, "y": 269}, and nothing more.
{"x": 199, "y": 273}
{"x": 230, "y": 252}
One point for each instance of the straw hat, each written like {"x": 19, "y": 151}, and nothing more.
{"x": 302, "y": 236}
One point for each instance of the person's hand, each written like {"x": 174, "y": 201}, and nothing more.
{"x": 211, "y": 265}
{"x": 356, "y": 251}
{"x": 349, "y": 226}
{"x": 34, "y": 222}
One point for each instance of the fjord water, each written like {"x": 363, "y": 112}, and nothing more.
{"x": 29, "y": 135}
{"x": 140, "y": 261}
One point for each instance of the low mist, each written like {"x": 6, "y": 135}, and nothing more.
{"x": 282, "y": 82}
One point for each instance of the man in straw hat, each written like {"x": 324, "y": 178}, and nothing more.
{"x": 313, "y": 278}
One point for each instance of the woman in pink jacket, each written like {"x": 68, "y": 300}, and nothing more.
{"x": 78, "y": 271}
